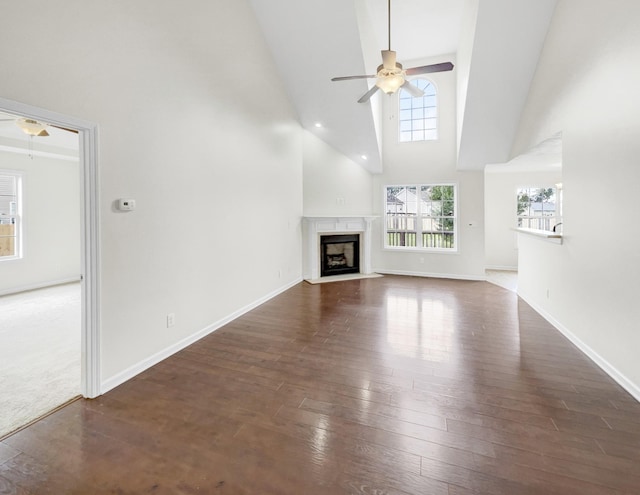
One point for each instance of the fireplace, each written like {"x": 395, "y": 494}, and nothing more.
{"x": 357, "y": 228}
{"x": 339, "y": 254}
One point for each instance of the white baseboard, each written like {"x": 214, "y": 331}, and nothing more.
{"x": 502, "y": 268}
{"x": 147, "y": 363}
{"x": 431, "y": 275}
{"x": 607, "y": 367}
{"x": 40, "y": 285}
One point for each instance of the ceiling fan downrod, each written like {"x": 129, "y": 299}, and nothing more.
{"x": 389, "y": 23}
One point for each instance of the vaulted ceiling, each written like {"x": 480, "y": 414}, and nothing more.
{"x": 495, "y": 45}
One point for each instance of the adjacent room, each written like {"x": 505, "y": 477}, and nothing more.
{"x": 363, "y": 246}
{"x": 40, "y": 304}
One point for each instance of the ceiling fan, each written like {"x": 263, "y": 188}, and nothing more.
{"x": 390, "y": 76}
{"x": 34, "y": 127}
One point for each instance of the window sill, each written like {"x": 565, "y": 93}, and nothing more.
{"x": 554, "y": 237}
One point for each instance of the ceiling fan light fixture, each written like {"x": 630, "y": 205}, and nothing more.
{"x": 32, "y": 127}
{"x": 390, "y": 83}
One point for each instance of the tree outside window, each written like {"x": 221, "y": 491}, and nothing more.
{"x": 538, "y": 208}
{"x": 421, "y": 216}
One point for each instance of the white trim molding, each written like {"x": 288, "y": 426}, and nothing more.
{"x": 502, "y": 268}
{"x": 471, "y": 278}
{"x": 607, "y": 367}
{"x": 316, "y": 226}
{"x": 40, "y": 285}
{"x": 147, "y": 363}
{"x": 90, "y": 238}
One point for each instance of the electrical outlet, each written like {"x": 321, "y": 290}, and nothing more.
{"x": 171, "y": 319}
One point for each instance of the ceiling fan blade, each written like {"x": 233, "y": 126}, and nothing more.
{"x": 367, "y": 96}
{"x": 348, "y": 78}
{"x": 42, "y": 133}
{"x": 412, "y": 90}
{"x": 426, "y": 69}
{"x": 389, "y": 59}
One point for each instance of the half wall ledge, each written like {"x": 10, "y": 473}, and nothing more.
{"x": 542, "y": 234}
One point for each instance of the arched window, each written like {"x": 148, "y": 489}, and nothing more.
{"x": 418, "y": 117}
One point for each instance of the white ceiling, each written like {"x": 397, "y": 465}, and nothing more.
{"x": 497, "y": 43}
{"x": 314, "y": 40}
{"x": 419, "y": 28}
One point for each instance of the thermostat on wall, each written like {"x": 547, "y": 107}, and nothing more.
{"x": 126, "y": 204}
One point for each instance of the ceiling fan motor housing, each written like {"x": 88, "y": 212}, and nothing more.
{"x": 390, "y": 80}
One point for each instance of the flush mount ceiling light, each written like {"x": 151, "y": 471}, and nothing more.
{"x": 391, "y": 76}
{"x": 32, "y": 127}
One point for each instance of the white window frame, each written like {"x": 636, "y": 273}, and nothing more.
{"x": 540, "y": 221}
{"x": 419, "y": 214}
{"x": 423, "y": 108}
{"x": 17, "y": 216}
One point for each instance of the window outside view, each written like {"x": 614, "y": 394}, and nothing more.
{"x": 418, "y": 116}
{"x": 421, "y": 217}
{"x": 9, "y": 185}
{"x": 539, "y": 208}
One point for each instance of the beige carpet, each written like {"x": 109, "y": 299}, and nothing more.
{"x": 39, "y": 353}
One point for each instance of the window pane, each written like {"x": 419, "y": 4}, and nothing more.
{"x": 428, "y": 212}
{"x": 430, "y": 134}
{"x": 430, "y": 112}
{"x": 8, "y": 214}
{"x": 423, "y": 107}
{"x": 405, "y": 125}
{"x": 425, "y": 192}
{"x": 430, "y": 124}
{"x": 447, "y": 208}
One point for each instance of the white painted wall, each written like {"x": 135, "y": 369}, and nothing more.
{"x": 51, "y": 223}
{"x": 333, "y": 184}
{"x": 500, "y": 206}
{"x": 430, "y": 162}
{"x": 195, "y": 125}
{"x": 587, "y": 87}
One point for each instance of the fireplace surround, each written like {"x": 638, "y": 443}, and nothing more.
{"x": 355, "y": 227}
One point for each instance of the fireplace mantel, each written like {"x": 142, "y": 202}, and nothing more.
{"x": 314, "y": 227}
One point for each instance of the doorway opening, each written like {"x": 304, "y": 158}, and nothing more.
{"x": 49, "y": 283}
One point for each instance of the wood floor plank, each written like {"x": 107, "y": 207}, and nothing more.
{"x": 394, "y": 386}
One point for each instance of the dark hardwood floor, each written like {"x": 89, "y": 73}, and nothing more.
{"x": 396, "y": 385}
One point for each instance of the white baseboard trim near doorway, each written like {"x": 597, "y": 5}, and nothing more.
{"x": 40, "y": 285}
{"x": 147, "y": 363}
{"x": 502, "y": 268}
{"x": 605, "y": 365}
{"x": 431, "y": 275}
